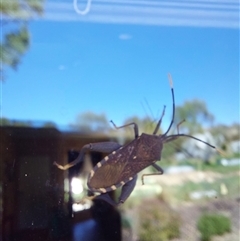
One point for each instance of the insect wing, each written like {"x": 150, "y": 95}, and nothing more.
{"x": 121, "y": 166}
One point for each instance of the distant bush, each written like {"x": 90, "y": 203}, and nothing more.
{"x": 213, "y": 224}
{"x": 158, "y": 222}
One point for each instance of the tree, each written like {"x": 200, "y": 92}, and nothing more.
{"x": 15, "y": 37}
{"x": 90, "y": 121}
{"x": 7, "y": 122}
{"x": 145, "y": 124}
{"x": 195, "y": 113}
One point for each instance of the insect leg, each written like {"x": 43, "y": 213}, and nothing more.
{"x": 160, "y": 172}
{"x": 132, "y": 123}
{"x": 127, "y": 190}
{"x": 105, "y": 197}
{"x": 172, "y": 138}
{"x": 179, "y": 125}
{"x": 104, "y": 147}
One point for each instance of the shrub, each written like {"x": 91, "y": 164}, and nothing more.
{"x": 158, "y": 222}
{"x": 213, "y": 224}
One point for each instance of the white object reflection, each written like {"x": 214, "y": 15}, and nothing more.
{"x": 81, "y": 206}
{"x": 82, "y": 12}
{"x": 77, "y": 186}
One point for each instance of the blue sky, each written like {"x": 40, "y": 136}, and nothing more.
{"x": 115, "y": 54}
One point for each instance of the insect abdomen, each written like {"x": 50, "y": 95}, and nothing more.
{"x": 105, "y": 175}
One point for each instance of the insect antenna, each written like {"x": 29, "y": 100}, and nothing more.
{"x": 169, "y": 138}
{"x": 175, "y": 136}
{"x": 150, "y": 116}
{"x": 149, "y": 109}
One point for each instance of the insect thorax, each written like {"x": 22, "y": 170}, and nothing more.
{"x": 150, "y": 147}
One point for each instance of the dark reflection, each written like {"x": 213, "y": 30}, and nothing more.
{"x": 105, "y": 224}
{"x": 108, "y": 219}
{"x": 59, "y": 225}
{"x": 34, "y": 203}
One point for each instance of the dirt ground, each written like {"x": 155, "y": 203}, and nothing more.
{"x": 190, "y": 214}
{"x": 193, "y": 176}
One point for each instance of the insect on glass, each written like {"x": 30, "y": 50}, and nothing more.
{"x": 121, "y": 166}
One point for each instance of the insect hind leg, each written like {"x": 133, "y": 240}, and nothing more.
{"x": 159, "y": 169}
{"x": 127, "y": 190}
{"x": 104, "y": 147}
{"x": 105, "y": 197}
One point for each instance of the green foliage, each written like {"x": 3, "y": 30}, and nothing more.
{"x": 15, "y": 44}
{"x": 4, "y": 122}
{"x": 15, "y": 35}
{"x": 195, "y": 113}
{"x": 90, "y": 121}
{"x": 215, "y": 167}
{"x": 229, "y": 132}
{"x": 125, "y": 223}
{"x": 181, "y": 193}
{"x": 171, "y": 149}
{"x": 145, "y": 124}
{"x": 8, "y": 122}
{"x": 49, "y": 124}
{"x": 24, "y": 9}
{"x": 19, "y": 123}
{"x": 158, "y": 222}
{"x": 213, "y": 224}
